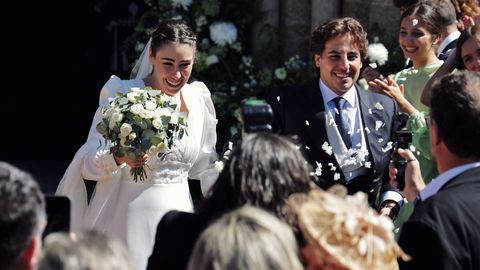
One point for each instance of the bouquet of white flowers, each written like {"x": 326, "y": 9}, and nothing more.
{"x": 142, "y": 121}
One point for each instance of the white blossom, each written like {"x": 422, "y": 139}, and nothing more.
{"x": 378, "y": 106}
{"x": 181, "y": 3}
{"x": 378, "y": 124}
{"x": 281, "y": 73}
{"x": 136, "y": 108}
{"x": 327, "y": 148}
{"x": 125, "y": 129}
{"x": 223, "y": 33}
{"x": 219, "y": 166}
{"x": 318, "y": 170}
{"x": 377, "y": 53}
{"x": 211, "y": 59}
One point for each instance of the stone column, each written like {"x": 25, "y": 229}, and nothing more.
{"x": 375, "y": 14}
{"x": 262, "y": 32}
{"x": 296, "y": 20}
{"x": 324, "y": 10}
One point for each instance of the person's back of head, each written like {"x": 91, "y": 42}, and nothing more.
{"x": 404, "y": 4}
{"x": 22, "y": 218}
{"x": 86, "y": 250}
{"x": 262, "y": 171}
{"x": 446, "y": 12}
{"x": 246, "y": 238}
{"x": 455, "y": 109}
{"x": 339, "y": 27}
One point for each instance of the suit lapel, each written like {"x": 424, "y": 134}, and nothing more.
{"x": 317, "y": 127}
{"x": 369, "y": 115}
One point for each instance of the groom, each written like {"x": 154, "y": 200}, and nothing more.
{"x": 346, "y": 131}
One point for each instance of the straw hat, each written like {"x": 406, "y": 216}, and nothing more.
{"x": 343, "y": 232}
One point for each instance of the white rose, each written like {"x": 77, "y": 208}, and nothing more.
{"x": 116, "y": 117}
{"x": 132, "y": 136}
{"x": 157, "y": 123}
{"x": 161, "y": 112}
{"x": 136, "y": 108}
{"x": 145, "y": 114}
{"x": 131, "y": 96}
{"x": 150, "y": 105}
{"x": 137, "y": 90}
{"x": 125, "y": 129}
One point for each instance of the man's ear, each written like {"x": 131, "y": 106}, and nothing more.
{"x": 29, "y": 257}
{"x": 435, "y": 139}
{"x": 318, "y": 59}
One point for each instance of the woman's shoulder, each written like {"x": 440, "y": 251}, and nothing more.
{"x": 198, "y": 87}
{"x": 116, "y": 83}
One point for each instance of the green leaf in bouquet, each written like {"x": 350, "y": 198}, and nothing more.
{"x": 156, "y": 140}
{"x": 165, "y": 119}
{"x": 147, "y": 134}
{"x": 102, "y": 128}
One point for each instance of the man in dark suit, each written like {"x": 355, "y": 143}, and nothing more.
{"x": 447, "y": 18}
{"x": 444, "y": 229}
{"x": 346, "y": 131}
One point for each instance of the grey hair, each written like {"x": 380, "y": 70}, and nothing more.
{"x": 246, "y": 238}
{"x": 86, "y": 250}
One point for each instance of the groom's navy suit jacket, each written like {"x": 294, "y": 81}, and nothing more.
{"x": 300, "y": 111}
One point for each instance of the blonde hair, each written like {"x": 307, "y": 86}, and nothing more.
{"x": 246, "y": 238}
{"x": 86, "y": 250}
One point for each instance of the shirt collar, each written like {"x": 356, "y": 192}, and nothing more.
{"x": 328, "y": 94}
{"x": 433, "y": 187}
{"x": 447, "y": 41}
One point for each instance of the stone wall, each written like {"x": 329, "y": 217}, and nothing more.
{"x": 299, "y": 17}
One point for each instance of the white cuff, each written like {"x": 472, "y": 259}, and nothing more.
{"x": 393, "y": 196}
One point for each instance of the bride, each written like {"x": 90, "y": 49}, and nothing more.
{"x": 131, "y": 210}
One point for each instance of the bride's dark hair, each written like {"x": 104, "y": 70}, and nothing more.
{"x": 173, "y": 31}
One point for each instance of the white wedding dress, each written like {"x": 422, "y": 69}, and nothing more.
{"x": 131, "y": 210}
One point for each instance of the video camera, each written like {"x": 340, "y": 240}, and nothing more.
{"x": 257, "y": 115}
{"x": 402, "y": 139}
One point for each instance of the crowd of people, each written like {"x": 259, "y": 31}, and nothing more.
{"x": 320, "y": 191}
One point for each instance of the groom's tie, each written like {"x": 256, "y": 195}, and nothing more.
{"x": 341, "y": 121}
